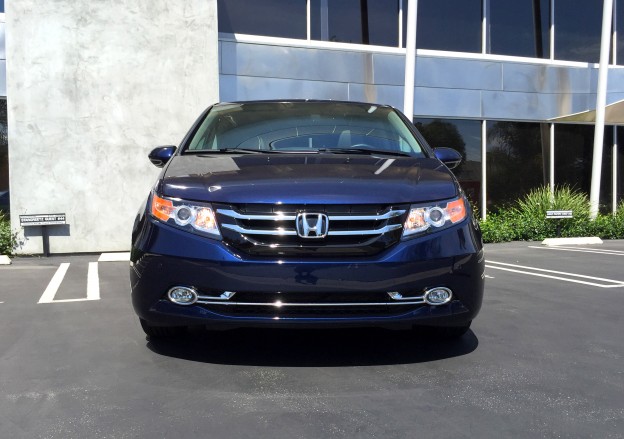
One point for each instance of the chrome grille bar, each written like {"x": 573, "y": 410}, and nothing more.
{"x": 285, "y": 232}
{"x": 416, "y": 301}
{"x": 282, "y": 217}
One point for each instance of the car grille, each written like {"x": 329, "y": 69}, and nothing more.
{"x": 271, "y": 230}
{"x": 311, "y": 305}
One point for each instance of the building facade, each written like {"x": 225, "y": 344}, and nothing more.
{"x": 92, "y": 87}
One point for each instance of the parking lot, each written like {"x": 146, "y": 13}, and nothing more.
{"x": 545, "y": 358}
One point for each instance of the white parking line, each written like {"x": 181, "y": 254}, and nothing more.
{"x": 93, "y": 285}
{"x": 55, "y": 283}
{"x": 610, "y": 283}
{"x": 581, "y": 250}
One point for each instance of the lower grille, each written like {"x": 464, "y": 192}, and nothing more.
{"x": 313, "y": 305}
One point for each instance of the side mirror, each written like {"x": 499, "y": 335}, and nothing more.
{"x": 448, "y": 156}
{"x": 161, "y": 155}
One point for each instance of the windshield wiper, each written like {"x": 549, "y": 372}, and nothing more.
{"x": 367, "y": 151}
{"x": 229, "y": 151}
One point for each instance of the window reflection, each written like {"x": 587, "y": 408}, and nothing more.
{"x": 574, "y": 146}
{"x": 4, "y": 158}
{"x": 465, "y": 137}
{"x": 515, "y": 160}
{"x": 275, "y": 18}
{"x": 453, "y": 25}
{"x": 520, "y": 28}
{"x": 356, "y": 21}
{"x": 577, "y": 30}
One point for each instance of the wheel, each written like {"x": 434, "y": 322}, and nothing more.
{"x": 161, "y": 331}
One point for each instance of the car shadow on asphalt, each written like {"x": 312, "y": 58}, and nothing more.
{"x": 318, "y": 348}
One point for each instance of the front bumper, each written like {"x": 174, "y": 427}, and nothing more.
{"x": 163, "y": 257}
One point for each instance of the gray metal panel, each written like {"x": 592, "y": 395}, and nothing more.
{"x": 380, "y": 94}
{"x": 3, "y": 92}
{"x": 389, "y": 69}
{"x": 458, "y": 73}
{"x": 441, "y": 102}
{"x": 531, "y": 106}
{"x": 247, "y": 59}
{"x": 615, "y": 80}
{"x": 531, "y": 78}
{"x": 240, "y": 88}
{"x": 2, "y": 37}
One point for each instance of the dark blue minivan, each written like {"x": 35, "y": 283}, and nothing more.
{"x": 305, "y": 214}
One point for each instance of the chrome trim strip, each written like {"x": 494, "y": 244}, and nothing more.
{"x": 282, "y": 304}
{"x": 379, "y": 231}
{"x": 273, "y": 217}
{"x": 242, "y": 230}
{"x": 227, "y": 295}
{"x": 279, "y": 217}
{"x": 387, "y": 215}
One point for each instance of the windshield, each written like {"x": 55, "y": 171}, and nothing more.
{"x": 304, "y": 126}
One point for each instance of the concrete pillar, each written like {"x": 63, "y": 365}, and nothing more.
{"x": 92, "y": 86}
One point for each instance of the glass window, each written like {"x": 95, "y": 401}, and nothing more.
{"x": 620, "y": 166}
{"x": 2, "y": 6}
{"x": 453, "y": 25}
{"x": 574, "y": 146}
{"x": 275, "y": 18}
{"x": 305, "y": 126}
{"x": 4, "y": 158}
{"x": 515, "y": 160}
{"x": 356, "y": 21}
{"x": 520, "y": 28}
{"x": 619, "y": 22}
{"x": 465, "y": 137}
{"x": 577, "y": 30}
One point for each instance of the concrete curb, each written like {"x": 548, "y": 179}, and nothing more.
{"x": 551, "y": 242}
{"x": 5, "y": 260}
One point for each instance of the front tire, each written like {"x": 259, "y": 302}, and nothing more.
{"x": 161, "y": 331}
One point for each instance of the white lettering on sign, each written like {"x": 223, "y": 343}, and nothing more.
{"x": 50, "y": 219}
{"x": 558, "y": 214}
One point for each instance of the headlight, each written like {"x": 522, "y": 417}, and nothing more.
{"x": 185, "y": 215}
{"x": 436, "y": 216}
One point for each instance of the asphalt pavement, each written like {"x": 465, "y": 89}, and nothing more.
{"x": 545, "y": 358}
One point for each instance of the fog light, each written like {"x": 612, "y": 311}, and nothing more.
{"x": 182, "y": 295}
{"x": 438, "y": 296}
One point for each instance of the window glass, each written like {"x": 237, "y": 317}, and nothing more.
{"x": 275, "y": 18}
{"x": 304, "y": 126}
{"x": 577, "y": 30}
{"x": 4, "y": 158}
{"x": 620, "y": 166}
{"x": 619, "y": 21}
{"x": 465, "y": 137}
{"x": 520, "y": 28}
{"x": 515, "y": 160}
{"x": 355, "y": 21}
{"x": 453, "y": 25}
{"x": 574, "y": 146}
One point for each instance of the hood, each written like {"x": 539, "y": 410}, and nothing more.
{"x": 306, "y": 179}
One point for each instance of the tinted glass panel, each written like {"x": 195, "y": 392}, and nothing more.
{"x": 275, "y": 18}
{"x": 453, "y": 25}
{"x": 465, "y": 137}
{"x": 4, "y": 158}
{"x": 356, "y": 21}
{"x": 515, "y": 160}
{"x": 619, "y": 20}
{"x": 577, "y": 30}
{"x": 520, "y": 28}
{"x": 307, "y": 127}
{"x": 573, "y": 159}
{"x": 620, "y": 163}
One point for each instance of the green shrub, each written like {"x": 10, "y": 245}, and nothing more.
{"x": 526, "y": 219}
{"x": 8, "y": 239}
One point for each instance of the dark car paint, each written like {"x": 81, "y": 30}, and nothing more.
{"x": 296, "y": 178}
{"x": 163, "y": 256}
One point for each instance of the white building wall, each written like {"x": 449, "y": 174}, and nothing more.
{"x": 93, "y": 86}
